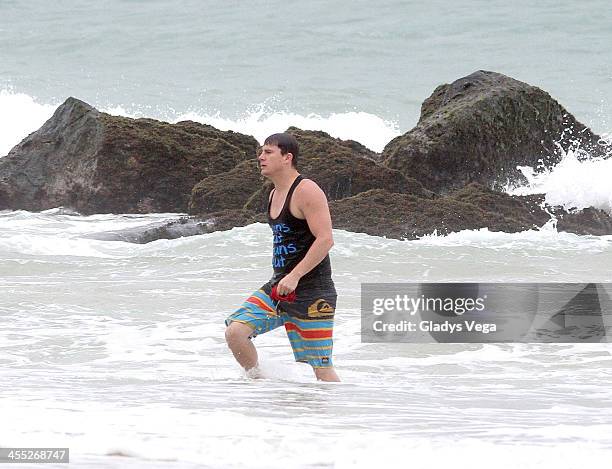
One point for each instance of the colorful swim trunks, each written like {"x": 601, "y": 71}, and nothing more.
{"x": 309, "y": 323}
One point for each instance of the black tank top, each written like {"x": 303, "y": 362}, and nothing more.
{"x": 292, "y": 239}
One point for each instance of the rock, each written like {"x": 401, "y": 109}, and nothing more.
{"x": 218, "y": 221}
{"x": 346, "y": 168}
{"x": 381, "y": 213}
{"x": 589, "y": 221}
{"x": 440, "y": 176}
{"x": 479, "y": 128}
{"x": 230, "y": 190}
{"x": 182, "y": 227}
{"x": 402, "y": 216}
{"x": 93, "y": 162}
{"x": 525, "y": 211}
{"x": 532, "y": 210}
{"x": 342, "y": 168}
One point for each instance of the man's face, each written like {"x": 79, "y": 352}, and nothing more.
{"x": 271, "y": 160}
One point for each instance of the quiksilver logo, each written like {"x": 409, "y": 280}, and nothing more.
{"x": 320, "y": 308}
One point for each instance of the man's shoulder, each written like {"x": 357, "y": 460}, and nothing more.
{"x": 309, "y": 194}
{"x": 308, "y": 187}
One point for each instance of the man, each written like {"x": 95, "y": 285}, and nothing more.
{"x": 302, "y": 237}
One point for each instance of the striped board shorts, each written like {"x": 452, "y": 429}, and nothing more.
{"x": 310, "y": 334}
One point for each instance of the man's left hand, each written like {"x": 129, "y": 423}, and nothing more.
{"x": 287, "y": 284}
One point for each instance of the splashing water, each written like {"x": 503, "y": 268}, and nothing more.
{"x": 21, "y": 114}
{"x": 574, "y": 183}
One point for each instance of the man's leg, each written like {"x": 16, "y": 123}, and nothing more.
{"x": 326, "y": 374}
{"x": 237, "y": 338}
{"x": 256, "y": 316}
{"x": 311, "y": 341}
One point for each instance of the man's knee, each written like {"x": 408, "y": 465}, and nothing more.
{"x": 237, "y": 332}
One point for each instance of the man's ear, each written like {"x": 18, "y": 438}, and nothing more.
{"x": 289, "y": 154}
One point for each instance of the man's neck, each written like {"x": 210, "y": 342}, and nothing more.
{"x": 282, "y": 182}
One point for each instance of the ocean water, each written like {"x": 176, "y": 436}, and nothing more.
{"x": 116, "y": 350}
{"x": 112, "y": 348}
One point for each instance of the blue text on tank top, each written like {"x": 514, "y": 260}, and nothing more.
{"x": 279, "y": 231}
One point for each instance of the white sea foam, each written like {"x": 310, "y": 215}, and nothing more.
{"x": 37, "y": 234}
{"x": 546, "y": 238}
{"x": 21, "y": 114}
{"x": 574, "y": 183}
{"x": 230, "y": 438}
{"x": 368, "y": 129}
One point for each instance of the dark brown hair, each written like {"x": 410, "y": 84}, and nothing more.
{"x": 287, "y": 143}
